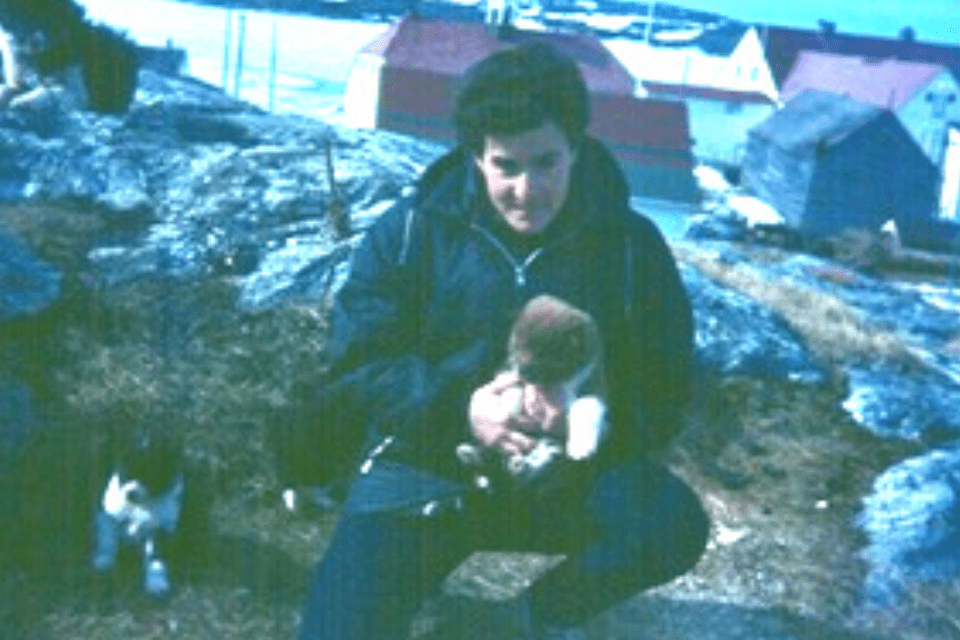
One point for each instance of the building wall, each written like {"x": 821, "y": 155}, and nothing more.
{"x": 779, "y": 177}
{"x": 417, "y": 102}
{"x": 873, "y": 175}
{"x": 928, "y": 115}
{"x": 719, "y": 128}
{"x": 950, "y": 190}
{"x": 362, "y": 95}
{"x": 747, "y": 68}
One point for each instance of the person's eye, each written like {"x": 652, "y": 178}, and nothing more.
{"x": 508, "y": 168}
{"x": 546, "y": 163}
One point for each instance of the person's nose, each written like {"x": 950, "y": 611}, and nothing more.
{"x": 521, "y": 187}
{"x": 528, "y": 185}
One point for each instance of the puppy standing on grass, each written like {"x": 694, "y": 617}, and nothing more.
{"x": 553, "y": 379}
{"x": 142, "y": 508}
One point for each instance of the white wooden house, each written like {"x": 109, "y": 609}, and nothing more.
{"x": 720, "y": 72}
{"x": 720, "y": 119}
{"x": 728, "y": 57}
{"x": 950, "y": 192}
{"x": 361, "y": 96}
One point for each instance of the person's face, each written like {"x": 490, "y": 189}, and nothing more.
{"x": 527, "y": 175}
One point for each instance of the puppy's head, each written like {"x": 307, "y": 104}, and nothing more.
{"x": 552, "y": 341}
{"x": 145, "y": 487}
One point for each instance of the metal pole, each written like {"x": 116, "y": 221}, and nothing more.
{"x": 652, "y": 11}
{"x": 272, "y": 81}
{"x": 227, "y": 37}
{"x": 238, "y": 70}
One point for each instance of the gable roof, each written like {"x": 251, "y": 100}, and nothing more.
{"x": 450, "y": 47}
{"x": 815, "y": 117}
{"x": 716, "y": 39}
{"x": 722, "y": 39}
{"x": 783, "y": 44}
{"x": 684, "y": 91}
{"x": 884, "y": 83}
{"x": 380, "y": 44}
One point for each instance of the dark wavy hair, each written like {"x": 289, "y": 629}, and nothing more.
{"x": 518, "y": 89}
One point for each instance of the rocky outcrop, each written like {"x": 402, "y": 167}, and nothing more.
{"x": 209, "y": 183}
{"x": 912, "y": 518}
{"x": 28, "y": 285}
{"x": 736, "y": 336}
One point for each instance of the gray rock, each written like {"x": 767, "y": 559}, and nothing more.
{"x": 17, "y": 415}
{"x": 736, "y": 336}
{"x": 228, "y": 187}
{"x": 904, "y": 404}
{"x": 715, "y": 227}
{"x": 28, "y": 285}
{"x": 912, "y": 522}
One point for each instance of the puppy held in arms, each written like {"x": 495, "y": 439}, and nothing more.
{"x": 140, "y": 510}
{"x": 554, "y": 362}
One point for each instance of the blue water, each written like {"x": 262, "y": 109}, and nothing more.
{"x": 932, "y": 20}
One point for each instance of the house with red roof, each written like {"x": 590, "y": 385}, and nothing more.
{"x": 924, "y": 96}
{"x": 782, "y": 46}
{"x": 406, "y": 81}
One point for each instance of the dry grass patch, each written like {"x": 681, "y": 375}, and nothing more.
{"x": 834, "y": 331}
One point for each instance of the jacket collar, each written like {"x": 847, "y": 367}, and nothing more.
{"x": 452, "y": 185}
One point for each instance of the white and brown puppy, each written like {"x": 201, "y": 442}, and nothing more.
{"x": 555, "y": 354}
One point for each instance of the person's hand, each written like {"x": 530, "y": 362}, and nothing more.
{"x": 495, "y": 422}
{"x": 506, "y": 413}
{"x": 545, "y": 405}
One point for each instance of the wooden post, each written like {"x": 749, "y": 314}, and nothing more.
{"x": 227, "y": 37}
{"x": 238, "y": 70}
{"x": 651, "y": 11}
{"x": 337, "y": 209}
{"x": 272, "y": 74}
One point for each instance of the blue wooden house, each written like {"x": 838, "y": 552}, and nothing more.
{"x": 828, "y": 163}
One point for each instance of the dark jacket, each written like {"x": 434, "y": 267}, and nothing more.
{"x": 423, "y": 317}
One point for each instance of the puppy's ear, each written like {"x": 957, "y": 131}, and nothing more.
{"x": 552, "y": 341}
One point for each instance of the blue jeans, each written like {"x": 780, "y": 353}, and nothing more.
{"x": 637, "y": 527}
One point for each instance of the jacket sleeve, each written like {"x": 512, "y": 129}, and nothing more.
{"x": 384, "y": 370}
{"x": 661, "y": 349}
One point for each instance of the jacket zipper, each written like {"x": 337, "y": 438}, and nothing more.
{"x": 375, "y": 453}
{"x": 519, "y": 268}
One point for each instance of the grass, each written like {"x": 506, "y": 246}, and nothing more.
{"x": 834, "y": 331}
{"x": 780, "y": 467}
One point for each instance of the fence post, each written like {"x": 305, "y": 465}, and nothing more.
{"x": 227, "y": 37}
{"x": 238, "y": 70}
{"x": 272, "y": 78}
